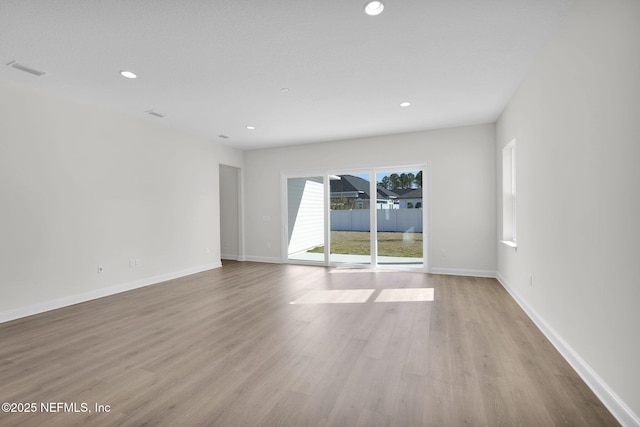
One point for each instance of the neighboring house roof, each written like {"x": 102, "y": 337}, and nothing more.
{"x": 410, "y": 193}
{"x": 354, "y": 183}
{"x": 387, "y": 193}
{"x": 356, "y": 187}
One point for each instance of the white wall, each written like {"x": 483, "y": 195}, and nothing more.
{"x": 462, "y": 184}
{"x": 81, "y": 187}
{"x": 576, "y": 121}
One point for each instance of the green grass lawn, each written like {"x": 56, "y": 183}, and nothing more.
{"x": 389, "y": 244}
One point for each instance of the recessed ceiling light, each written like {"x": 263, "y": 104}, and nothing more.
{"x": 374, "y": 8}
{"x": 405, "y": 104}
{"x": 251, "y": 127}
{"x": 128, "y": 74}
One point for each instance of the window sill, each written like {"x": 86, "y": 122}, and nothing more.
{"x": 510, "y": 243}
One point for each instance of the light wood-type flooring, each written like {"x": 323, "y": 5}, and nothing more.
{"x": 227, "y": 348}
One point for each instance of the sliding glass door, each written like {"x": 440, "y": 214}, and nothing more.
{"x": 350, "y": 218}
{"x": 399, "y": 219}
{"x": 365, "y": 217}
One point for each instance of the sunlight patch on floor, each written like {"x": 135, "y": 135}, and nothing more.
{"x": 405, "y": 295}
{"x": 351, "y": 296}
{"x": 335, "y": 296}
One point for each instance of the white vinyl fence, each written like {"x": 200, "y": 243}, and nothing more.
{"x": 402, "y": 220}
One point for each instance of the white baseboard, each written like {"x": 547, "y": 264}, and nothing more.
{"x": 464, "y": 272}
{"x": 616, "y": 406}
{"x": 230, "y": 257}
{"x": 262, "y": 259}
{"x": 30, "y": 310}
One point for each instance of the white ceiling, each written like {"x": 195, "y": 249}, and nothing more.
{"x": 215, "y": 66}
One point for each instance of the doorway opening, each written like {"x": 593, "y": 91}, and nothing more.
{"x": 230, "y": 241}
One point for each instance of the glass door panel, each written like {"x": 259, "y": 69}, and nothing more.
{"x": 305, "y": 200}
{"x": 349, "y": 204}
{"x": 399, "y": 205}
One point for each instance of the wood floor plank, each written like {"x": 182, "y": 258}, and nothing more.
{"x": 226, "y": 348}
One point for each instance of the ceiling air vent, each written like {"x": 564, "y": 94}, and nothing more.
{"x": 26, "y": 69}
{"x": 153, "y": 113}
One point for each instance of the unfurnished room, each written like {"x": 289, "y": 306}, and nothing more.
{"x": 302, "y": 213}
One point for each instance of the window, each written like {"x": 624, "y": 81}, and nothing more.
{"x": 509, "y": 194}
